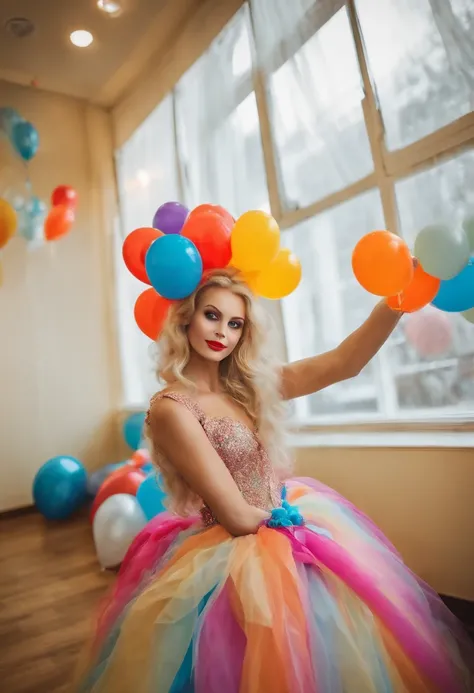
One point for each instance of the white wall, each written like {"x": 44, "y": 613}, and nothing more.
{"x": 58, "y": 377}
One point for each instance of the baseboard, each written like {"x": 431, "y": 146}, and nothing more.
{"x": 18, "y": 512}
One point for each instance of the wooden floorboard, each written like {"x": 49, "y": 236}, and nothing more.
{"x": 50, "y": 584}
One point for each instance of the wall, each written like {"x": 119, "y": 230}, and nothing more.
{"x": 58, "y": 379}
{"x": 422, "y": 499}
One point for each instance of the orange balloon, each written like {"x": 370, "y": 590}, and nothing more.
{"x": 127, "y": 479}
{"x": 140, "y": 457}
{"x": 382, "y": 263}
{"x": 209, "y": 230}
{"x": 135, "y": 248}
{"x": 58, "y": 222}
{"x": 418, "y": 294}
{"x": 8, "y": 222}
{"x": 150, "y": 312}
{"x": 217, "y": 209}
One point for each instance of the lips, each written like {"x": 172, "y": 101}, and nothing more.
{"x": 216, "y": 346}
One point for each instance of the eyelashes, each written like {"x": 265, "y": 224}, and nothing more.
{"x": 233, "y": 324}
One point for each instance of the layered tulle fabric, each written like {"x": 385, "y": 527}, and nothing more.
{"x": 324, "y": 608}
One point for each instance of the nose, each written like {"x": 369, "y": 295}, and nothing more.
{"x": 220, "y": 335}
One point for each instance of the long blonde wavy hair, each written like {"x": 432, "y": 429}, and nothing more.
{"x": 250, "y": 375}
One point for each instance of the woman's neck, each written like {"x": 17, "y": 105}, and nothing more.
{"x": 203, "y": 373}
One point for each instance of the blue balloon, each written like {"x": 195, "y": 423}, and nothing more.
{"x": 60, "y": 487}
{"x": 457, "y": 295}
{"x": 174, "y": 266}
{"x": 132, "y": 429}
{"x": 33, "y": 216}
{"x": 25, "y": 139}
{"x": 95, "y": 480}
{"x": 8, "y": 119}
{"x": 147, "y": 468}
{"x": 150, "y": 496}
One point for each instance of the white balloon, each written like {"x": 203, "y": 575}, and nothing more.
{"x": 443, "y": 251}
{"x": 468, "y": 226}
{"x": 116, "y": 524}
{"x": 469, "y": 315}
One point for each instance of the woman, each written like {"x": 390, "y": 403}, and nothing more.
{"x": 252, "y": 586}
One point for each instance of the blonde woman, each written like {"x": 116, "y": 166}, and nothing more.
{"x": 252, "y": 584}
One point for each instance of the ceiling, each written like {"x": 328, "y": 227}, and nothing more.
{"x": 123, "y": 46}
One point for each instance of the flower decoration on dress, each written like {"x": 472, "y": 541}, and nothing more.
{"x": 173, "y": 254}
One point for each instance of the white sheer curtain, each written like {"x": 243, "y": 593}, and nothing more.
{"x": 218, "y": 125}
{"x": 147, "y": 177}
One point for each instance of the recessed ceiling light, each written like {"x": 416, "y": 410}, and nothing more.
{"x": 112, "y": 7}
{"x": 81, "y": 38}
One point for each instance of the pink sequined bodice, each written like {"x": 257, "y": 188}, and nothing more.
{"x": 242, "y": 453}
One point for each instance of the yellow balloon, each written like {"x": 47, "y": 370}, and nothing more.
{"x": 255, "y": 240}
{"x": 8, "y": 222}
{"x": 280, "y": 278}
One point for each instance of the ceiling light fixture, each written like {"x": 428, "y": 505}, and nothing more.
{"x": 81, "y": 38}
{"x": 110, "y": 7}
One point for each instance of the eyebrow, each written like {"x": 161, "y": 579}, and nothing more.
{"x": 236, "y": 317}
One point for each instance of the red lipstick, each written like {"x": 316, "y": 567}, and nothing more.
{"x": 216, "y": 346}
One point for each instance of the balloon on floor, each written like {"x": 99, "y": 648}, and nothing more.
{"x": 60, "y": 487}
{"x": 116, "y": 524}
{"x": 151, "y": 496}
{"x": 133, "y": 429}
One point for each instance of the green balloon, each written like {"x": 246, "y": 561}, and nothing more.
{"x": 468, "y": 226}
{"x": 442, "y": 251}
{"x": 469, "y": 315}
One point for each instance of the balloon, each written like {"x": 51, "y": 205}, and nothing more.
{"x": 217, "y": 209}
{"x": 25, "y": 139}
{"x": 132, "y": 429}
{"x": 255, "y": 240}
{"x": 59, "y": 487}
{"x": 96, "y": 479}
{"x": 32, "y": 220}
{"x": 279, "y": 279}
{"x": 210, "y": 233}
{"x": 457, "y": 295}
{"x": 135, "y": 248}
{"x": 8, "y": 119}
{"x": 382, "y": 263}
{"x": 174, "y": 266}
{"x": 127, "y": 479}
{"x": 429, "y": 332}
{"x": 418, "y": 294}
{"x": 150, "y": 312}
{"x": 468, "y": 315}
{"x": 170, "y": 217}
{"x": 140, "y": 458}
{"x": 151, "y": 496}
{"x": 58, "y": 222}
{"x": 8, "y": 222}
{"x": 116, "y": 524}
{"x": 64, "y": 195}
{"x": 442, "y": 251}
{"x": 468, "y": 226}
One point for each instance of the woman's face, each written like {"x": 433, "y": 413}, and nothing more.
{"x": 217, "y": 324}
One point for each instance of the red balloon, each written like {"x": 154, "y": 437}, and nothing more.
{"x": 228, "y": 218}
{"x": 210, "y": 231}
{"x": 58, "y": 222}
{"x": 150, "y": 312}
{"x": 127, "y": 479}
{"x": 64, "y": 195}
{"x": 135, "y": 248}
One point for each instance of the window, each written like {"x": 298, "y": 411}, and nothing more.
{"x": 342, "y": 117}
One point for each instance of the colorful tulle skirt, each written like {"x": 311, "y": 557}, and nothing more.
{"x": 328, "y": 607}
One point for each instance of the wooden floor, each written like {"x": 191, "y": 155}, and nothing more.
{"x": 50, "y": 583}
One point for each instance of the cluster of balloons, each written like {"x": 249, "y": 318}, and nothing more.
{"x": 443, "y": 274}
{"x": 126, "y": 495}
{"x": 172, "y": 255}
{"x": 29, "y": 217}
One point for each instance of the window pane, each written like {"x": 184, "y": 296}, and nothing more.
{"x": 443, "y": 384}
{"x": 147, "y": 177}
{"x": 329, "y": 303}
{"x": 219, "y": 132}
{"x": 318, "y": 123}
{"x": 421, "y": 55}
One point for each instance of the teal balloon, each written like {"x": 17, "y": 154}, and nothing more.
{"x": 8, "y": 119}
{"x": 151, "y": 496}
{"x": 60, "y": 487}
{"x": 442, "y": 251}
{"x": 457, "y": 295}
{"x": 25, "y": 139}
{"x": 133, "y": 429}
{"x": 32, "y": 220}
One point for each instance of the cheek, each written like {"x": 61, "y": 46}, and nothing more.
{"x": 197, "y": 328}
{"x": 234, "y": 338}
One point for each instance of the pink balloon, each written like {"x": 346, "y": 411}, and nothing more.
{"x": 429, "y": 332}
